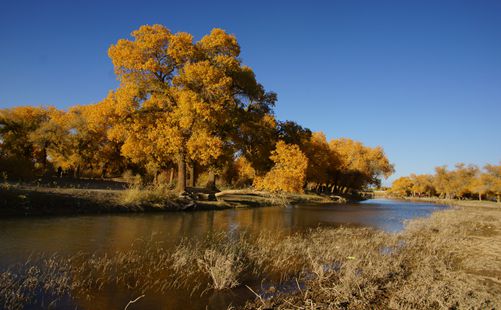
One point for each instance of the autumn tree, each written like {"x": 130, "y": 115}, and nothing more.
{"x": 182, "y": 99}
{"x": 422, "y": 184}
{"x": 462, "y": 182}
{"x": 481, "y": 184}
{"x": 462, "y": 178}
{"x": 21, "y": 134}
{"x": 245, "y": 172}
{"x": 322, "y": 163}
{"x": 80, "y": 137}
{"x": 289, "y": 170}
{"x": 256, "y": 138}
{"x": 402, "y": 186}
{"x": 493, "y": 180}
{"x": 359, "y": 165}
{"x": 443, "y": 182}
{"x": 293, "y": 133}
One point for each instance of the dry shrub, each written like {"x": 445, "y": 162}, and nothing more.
{"x": 137, "y": 195}
{"x": 427, "y": 266}
{"x": 275, "y": 254}
{"x": 164, "y": 178}
{"x": 223, "y": 268}
{"x": 219, "y": 258}
{"x": 130, "y": 177}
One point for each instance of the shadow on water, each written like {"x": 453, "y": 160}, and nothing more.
{"x": 19, "y": 238}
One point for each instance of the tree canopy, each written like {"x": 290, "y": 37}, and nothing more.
{"x": 192, "y": 107}
{"x": 465, "y": 181}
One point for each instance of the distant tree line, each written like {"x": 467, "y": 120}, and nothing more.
{"x": 462, "y": 182}
{"x": 185, "y": 113}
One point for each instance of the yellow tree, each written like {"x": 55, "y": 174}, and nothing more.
{"x": 178, "y": 100}
{"x": 443, "y": 182}
{"x": 359, "y": 166}
{"x": 462, "y": 178}
{"x": 493, "y": 180}
{"x": 51, "y": 136}
{"x": 481, "y": 184}
{"x": 321, "y": 161}
{"x": 20, "y": 129}
{"x": 402, "y": 186}
{"x": 245, "y": 173}
{"x": 100, "y": 119}
{"x": 82, "y": 141}
{"x": 289, "y": 171}
{"x": 422, "y": 184}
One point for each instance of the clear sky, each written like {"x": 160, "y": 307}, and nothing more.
{"x": 420, "y": 78}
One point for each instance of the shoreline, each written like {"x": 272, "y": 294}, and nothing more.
{"x": 29, "y": 200}
{"x": 450, "y": 202}
{"x": 446, "y": 260}
{"x": 449, "y": 259}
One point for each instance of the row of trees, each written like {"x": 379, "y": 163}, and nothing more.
{"x": 461, "y": 182}
{"x": 189, "y": 107}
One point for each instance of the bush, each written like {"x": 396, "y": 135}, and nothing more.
{"x": 137, "y": 195}
{"x": 132, "y": 178}
{"x": 289, "y": 172}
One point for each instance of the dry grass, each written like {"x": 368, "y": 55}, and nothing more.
{"x": 152, "y": 195}
{"x": 448, "y": 261}
{"x": 217, "y": 261}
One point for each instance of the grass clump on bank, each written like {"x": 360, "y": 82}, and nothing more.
{"x": 153, "y": 195}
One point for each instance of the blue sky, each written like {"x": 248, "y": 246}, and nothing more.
{"x": 420, "y": 78}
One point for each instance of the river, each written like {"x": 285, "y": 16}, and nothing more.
{"x": 22, "y": 237}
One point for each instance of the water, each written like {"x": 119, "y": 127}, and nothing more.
{"x": 20, "y": 237}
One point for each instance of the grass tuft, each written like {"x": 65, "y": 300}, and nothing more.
{"x": 156, "y": 195}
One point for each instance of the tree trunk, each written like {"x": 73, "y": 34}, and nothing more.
{"x": 44, "y": 159}
{"x": 331, "y": 188}
{"x": 181, "y": 175}
{"x": 191, "y": 182}
{"x": 317, "y": 188}
{"x": 103, "y": 171}
{"x": 155, "y": 178}
{"x": 76, "y": 173}
{"x": 480, "y": 196}
{"x": 171, "y": 179}
{"x": 211, "y": 182}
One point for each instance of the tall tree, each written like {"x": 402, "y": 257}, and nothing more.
{"x": 20, "y": 129}
{"x": 182, "y": 98}
{"x": 493, "y": 180}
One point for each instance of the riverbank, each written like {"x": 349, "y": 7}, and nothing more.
{"x": 447, "y": 260}
{"x": 115, "y": 197}
{"x": 456, "y": 202}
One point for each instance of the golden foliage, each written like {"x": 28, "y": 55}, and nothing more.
{"x": 463, "y": 181}
{"x": 244, "y": 169}
{"x": 179, "y": 100}
{"x": 182, "y": 101}
{"x": 289, "y": 172}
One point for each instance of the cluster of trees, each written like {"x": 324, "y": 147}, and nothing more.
{"x": 461, "y": 182}
{"x": 187, "y": 107}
